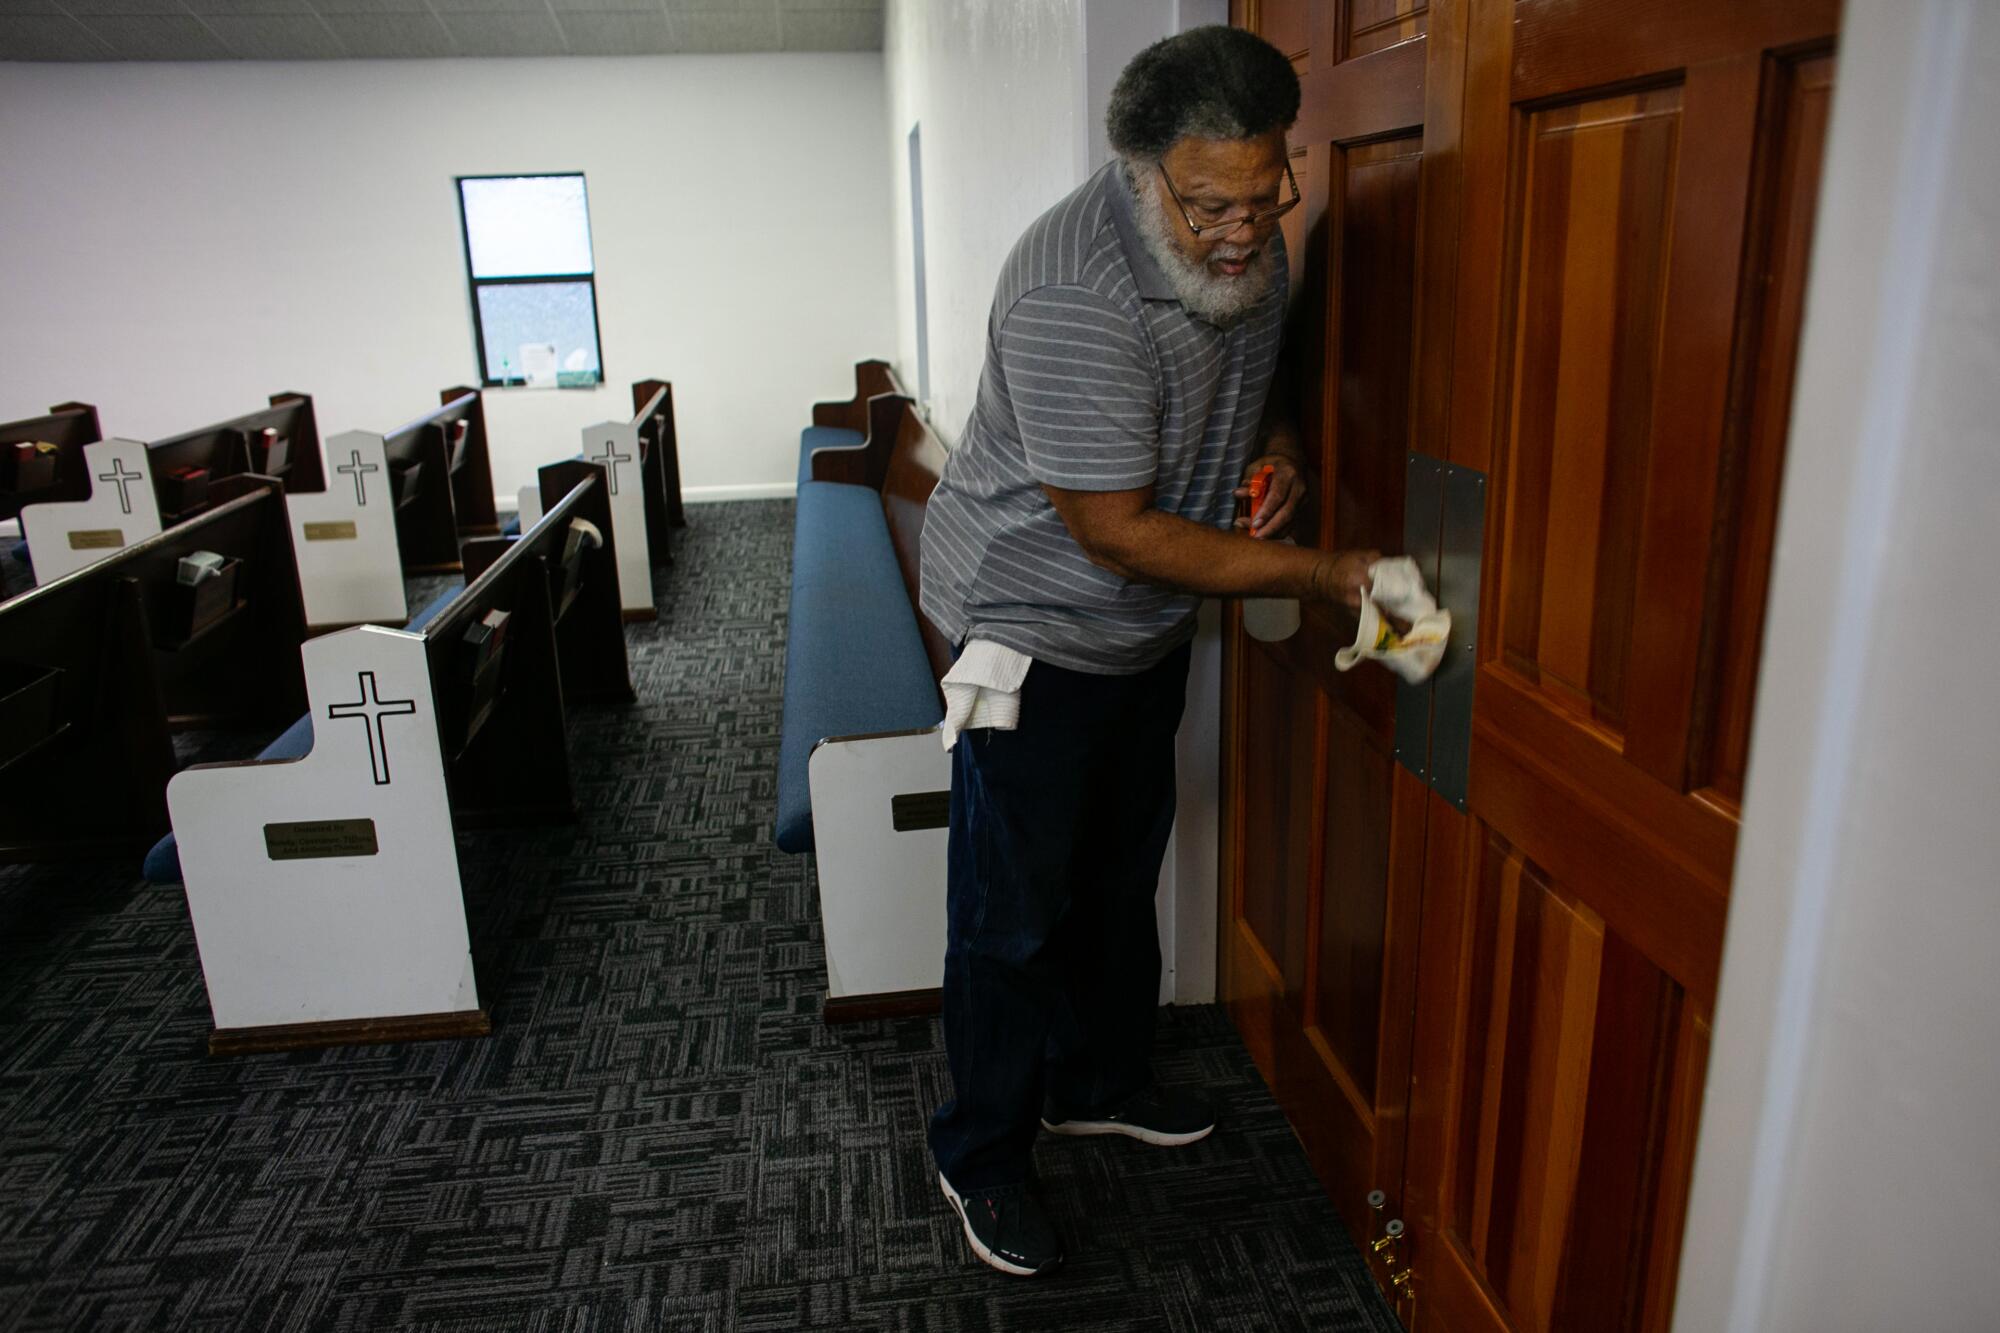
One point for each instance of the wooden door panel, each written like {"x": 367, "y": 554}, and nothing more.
{"x": 1347, "y": 992}
{"x": 1374, "y": 24}
{"x": 1281, "y": 787}
{"x": 1375, "y": 319}
{"x": 1636, "y": 199}
{"x": 1754, "y": 449}
{"x": 1319, "y": 952}
{"x": 1597, "y": 189}
{"x": 1572, "y": 1099}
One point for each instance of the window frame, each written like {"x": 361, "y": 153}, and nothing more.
{"x": 473, "y": 282}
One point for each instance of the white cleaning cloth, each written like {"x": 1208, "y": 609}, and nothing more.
{"x": 1397, "y": 589}
{"x": 983, "y": 689}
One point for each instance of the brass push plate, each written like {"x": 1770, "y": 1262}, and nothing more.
{"x": 96, "y": 539}
{"x": 341, "y": 531}
{"x": 318, "y": 839}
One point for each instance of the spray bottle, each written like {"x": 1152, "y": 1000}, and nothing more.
{"x": 1268, "y": 618}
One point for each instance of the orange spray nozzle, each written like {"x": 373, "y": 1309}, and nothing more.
{"x": 1260, "y": 486}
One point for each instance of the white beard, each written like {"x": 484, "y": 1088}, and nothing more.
{"x": 1215, "y": 297}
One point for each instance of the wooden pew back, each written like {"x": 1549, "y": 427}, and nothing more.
{"x": 68, "y": 426}
{"x": 95, "y": 671}
{"x": 653, "y": 402}
{"x": 242, "y": 444}
{"x": 501, "y": 719}
{"x": 463, "y": 420}
{"x": 420, "y": 482}
{"x": 902, "y": 459}
{"x": 870, "y": 379}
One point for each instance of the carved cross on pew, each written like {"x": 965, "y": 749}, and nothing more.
{"x": 357, "y": 469}
{"x": 372, "y": 709}
{"x": 611, "y": 458}
{"x": 119, "y": 477}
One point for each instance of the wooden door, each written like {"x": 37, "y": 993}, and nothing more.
{"x": 1325, "y": 846}
{"x": 1636, "y": 205}
{"x": 1585, "y": 283}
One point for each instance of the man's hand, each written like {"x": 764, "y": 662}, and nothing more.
{"x": 1344, "y": 576}
{"x": 1281, "y": 499}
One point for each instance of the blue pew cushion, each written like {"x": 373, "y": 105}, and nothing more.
{"x": 20, "y": 553}
{"x": 854, "y": 658}
{"x": 823, "y": 437}
{"x": 163, "y": 864}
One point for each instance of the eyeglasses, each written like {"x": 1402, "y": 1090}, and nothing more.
{"x": 1223, "y": 226}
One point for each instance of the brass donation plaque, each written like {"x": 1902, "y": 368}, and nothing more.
{"x": 316, "y": 839}
{"x": 342, "y": 531}
{"x": 96, "y": 539}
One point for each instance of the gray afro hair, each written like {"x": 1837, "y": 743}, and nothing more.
{"x": 1211, "y": 82}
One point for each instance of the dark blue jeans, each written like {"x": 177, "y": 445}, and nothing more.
{"x": 1052, "y": 965}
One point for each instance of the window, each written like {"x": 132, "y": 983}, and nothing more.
{"x": 534, "y": 286}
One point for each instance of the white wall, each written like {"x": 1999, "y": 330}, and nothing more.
{"x": 183, "y": 240}
{"x": 1848, "y": 1173}
{"x": 998, "y": 88}
{"x": 1011, "y": 99}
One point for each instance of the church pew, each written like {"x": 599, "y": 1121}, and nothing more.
{"x": 501, "y": 718}
{"x": 463, "y": 418}
{"x": 583, "y": 586}
{"x": 114, "y": 510}
{"x": 66, "y": 428}
{"x": 845, "y": 425}
{"x": 503, "y": 725}
{"x": 324, "y": 886}
{"x": 280, "y": 441}
{"x": 863, "y": 779}
{"x": 350, "y": 563}
{"x": 659, "y": 445}
{"x": 420, "y": 482}
{"x": 98, "y": 667}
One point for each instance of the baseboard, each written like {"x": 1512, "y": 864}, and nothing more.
{"x": 894, "y": 1004}
{"x": 694, "y": 495}
{"x": 349, "y": 1032}
{"x": 770, "y": 490}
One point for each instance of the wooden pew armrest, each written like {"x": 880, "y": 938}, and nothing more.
{"x": 848, "y": 465}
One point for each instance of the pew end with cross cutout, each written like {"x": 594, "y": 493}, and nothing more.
{"x": 119, "y": 511}
{"x": 324, "y": 889}
{"x": 535, "y": 630}
{"x": 345, "y": 537}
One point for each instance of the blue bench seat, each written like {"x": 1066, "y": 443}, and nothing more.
{"x": 163, "y": 864}
{"x": 823, "y": 437}
{"x": 854, "y": 657}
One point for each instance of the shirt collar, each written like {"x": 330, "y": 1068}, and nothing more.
{"x": 1146, "y": 271}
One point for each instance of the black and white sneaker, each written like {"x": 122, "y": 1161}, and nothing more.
{"x": 1008, "y": 1229}
{"x": 1164, "y": 1117}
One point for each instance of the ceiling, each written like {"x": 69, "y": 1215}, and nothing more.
{"x": 372, "y": 29}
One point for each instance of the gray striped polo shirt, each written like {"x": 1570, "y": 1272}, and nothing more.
{"x": 1096, "y": 379}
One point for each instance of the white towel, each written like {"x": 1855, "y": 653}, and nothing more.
{"x": 983, "y": 689}
{"x": 1397, "y": 586}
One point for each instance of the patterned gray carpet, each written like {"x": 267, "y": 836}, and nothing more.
{"x": 660, "y": 1133}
